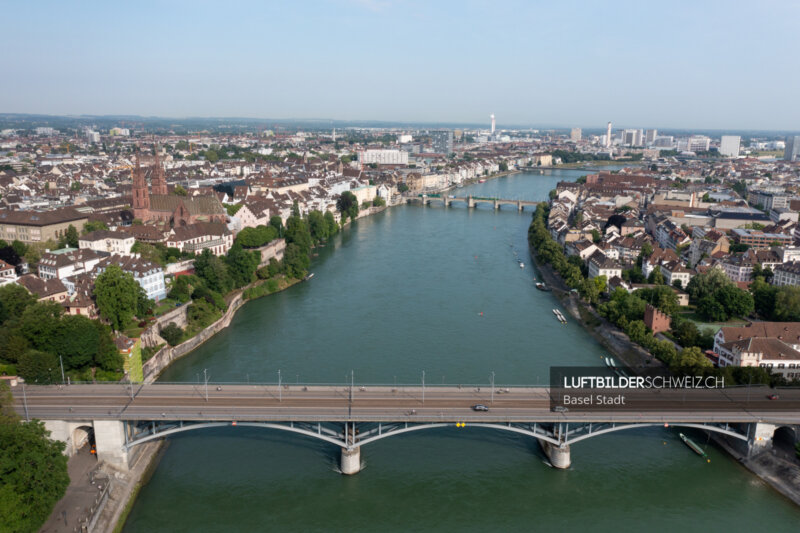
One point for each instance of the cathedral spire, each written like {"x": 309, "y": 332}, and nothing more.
{"x": 141, "y": 198}
{"x": 159, "y": 180}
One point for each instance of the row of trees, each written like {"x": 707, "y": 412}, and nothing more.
{"x": 717, "y": 297}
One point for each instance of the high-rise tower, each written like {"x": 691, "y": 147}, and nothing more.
{"x": 158, "y": 180}
{"x": 141, "y": 197}
{"x": 608, "y": 135}
{"x": 492, "y": 117}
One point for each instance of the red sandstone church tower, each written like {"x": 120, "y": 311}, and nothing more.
{"x": 141, "y": 197}
{"x": 158, "y": 181}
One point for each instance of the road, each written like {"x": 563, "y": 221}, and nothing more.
{"x": 385, "y": 403}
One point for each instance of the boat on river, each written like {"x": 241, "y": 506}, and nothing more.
{"x": 694, "y": 447}
{"x": 541, "y": 286}
{"x": 521, "y": 264}
{"x": 308, "y": 277}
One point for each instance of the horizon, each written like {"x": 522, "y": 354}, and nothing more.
{"x": 534, "y": 65}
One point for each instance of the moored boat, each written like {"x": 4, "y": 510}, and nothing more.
{"x": 694, "y": 447}
{"x": 541, "y": 286}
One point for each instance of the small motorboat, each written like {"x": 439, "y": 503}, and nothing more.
{"x": 695, "y": 448}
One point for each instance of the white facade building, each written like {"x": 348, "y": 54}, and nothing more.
{"x": 729, "y": 146}
{"x": 385, "y": 157}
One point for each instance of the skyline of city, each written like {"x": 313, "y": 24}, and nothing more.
{"x": 529, "y": 64}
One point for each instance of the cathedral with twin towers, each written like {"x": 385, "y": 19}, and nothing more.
{"x": 155, "y": 205}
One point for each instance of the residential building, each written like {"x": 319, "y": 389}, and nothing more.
{"x": 52, "y": 290}
{"x": 60, "y": 264}
{"x": 787, "y": 274}
{"x": 575, "y": 134}
{"x": 759, "y": 239}
{"x": 195, "y": 238}
{"x": 114, "y": 242}
{"x": 601, "y": 265}
{"x": 7, "y": 271}
{"x": 149, "y": 276}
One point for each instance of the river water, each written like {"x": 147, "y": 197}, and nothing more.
{"x": 437, "y": 290}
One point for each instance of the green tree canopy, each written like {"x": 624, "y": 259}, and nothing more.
{"x": 33, "y": 474}
{"x": 117, "y": 295}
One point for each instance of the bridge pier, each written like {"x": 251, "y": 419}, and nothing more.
{"x": 351, "y": 461}
{"x": 496, "y": 205}
{"x": 109, "y": 436}
{"x": 559, "y": 455}
{"x": 470, "y": 202}
{"x": 519, "y": 206}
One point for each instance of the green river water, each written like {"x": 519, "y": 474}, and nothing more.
{"x": 396, "y": 294}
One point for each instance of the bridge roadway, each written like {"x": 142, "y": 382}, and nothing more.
{"x": 385, "y": 403}
{"x": 123, "y": 416}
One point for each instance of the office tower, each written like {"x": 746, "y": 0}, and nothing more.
{"x": 442, "y": 141}
{"x": 729, "y": 146}
{"x": 575, "y": 134}
{"x": 608, "y": 136}
{"x": 650, "y": 136}
{"x": 792, "y": 150}
{"x": 492, "y": 117}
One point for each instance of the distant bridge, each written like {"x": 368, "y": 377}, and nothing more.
{"x": 470, "y": 201}
{"x": 123, "y": 416}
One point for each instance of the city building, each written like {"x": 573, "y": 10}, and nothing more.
{"x": 729, "y": 145}
{"x": 195, "y": 238}
{"x": 792, "y": 150}
{"x": 60, "y": 264}
{"x": 35, "y": 226}
{"x": 442, "y": 141}
{"x": 384, "y": 157}
{"x": 149, "y": 276}
{"x": 575, "y": 134}
{"x": 650, "y": 136}
{"x": 115, "y": 242}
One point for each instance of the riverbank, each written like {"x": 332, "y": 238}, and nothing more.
{"x": 607, "y": 334}
{"x": 782, "y": 475}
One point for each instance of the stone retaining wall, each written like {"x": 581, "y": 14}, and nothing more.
{"x": 156, "y": 364}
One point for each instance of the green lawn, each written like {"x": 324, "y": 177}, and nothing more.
{"x": 133, "y": 363}
{"x": 165, "y": 305}
{"x": 714, "y": 326}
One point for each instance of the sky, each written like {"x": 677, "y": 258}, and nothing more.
{"x": 671, "y": 64}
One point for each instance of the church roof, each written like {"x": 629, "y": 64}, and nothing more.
{"x": 195, "y": 205}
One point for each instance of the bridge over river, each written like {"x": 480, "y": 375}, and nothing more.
{"x": 122, "y": 416}
{"x": 470, "y": 201}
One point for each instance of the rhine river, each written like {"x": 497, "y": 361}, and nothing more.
{"x": 434, "y": 289}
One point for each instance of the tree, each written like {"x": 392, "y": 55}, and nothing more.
{"x": 787, "y": 303}
{"x": 692, "y": 357}
{"x": 317, "y": 226}
{"x": 242, "y": 265}
{"x": 14, "y": 299}
{"x": 70, "y": 238}
{"x": 330, "y": 221}
{"x": 211, "y": 156}
{"x": 297, "y": 232}
{"x": 647, "y": 249}
{"x": 707, "y": 284}
{"x": 296, "y": 261}
{"x": 277, "y": 222}
{"x": 117, "y": 296}
{"x": 710, "y": 309}
{"x": 93, "y": 225}
{"x": 347, "y": 203}
{"x": 78, "y": 341}
{"x": 33, "y": 474}
{"x": 656, "y": 276}
{"x": 503, "y": 166}
{"x": 256, "y": 237}
{"x": 735, "y": 301}
{"x": 764, "y": 297}
{"x": 596, "y": 236}
{"x": 39, "y": 367}
{"x": 213, "y": 271}
{"x": 40, "y": 323}
{"x": 172, "y": 334}
{"x": 180, "y": 190}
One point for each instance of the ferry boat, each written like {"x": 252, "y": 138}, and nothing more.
{"x": 691, "y": 444}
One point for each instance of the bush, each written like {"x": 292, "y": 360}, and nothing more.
{"x": 172, "y": 334}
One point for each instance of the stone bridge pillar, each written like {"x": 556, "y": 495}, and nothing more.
{"x": 519, "y": 205}
{"x": 496, "y": 205}
{"x": 760, "y": 438}
{"x": 109, "y": 436}
{"x": 559, "y": 455}
{"x": 351, "y": 461}
{"x": 470, "y": 201}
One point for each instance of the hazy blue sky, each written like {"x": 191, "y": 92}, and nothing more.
{"x": 694, "y": 64}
